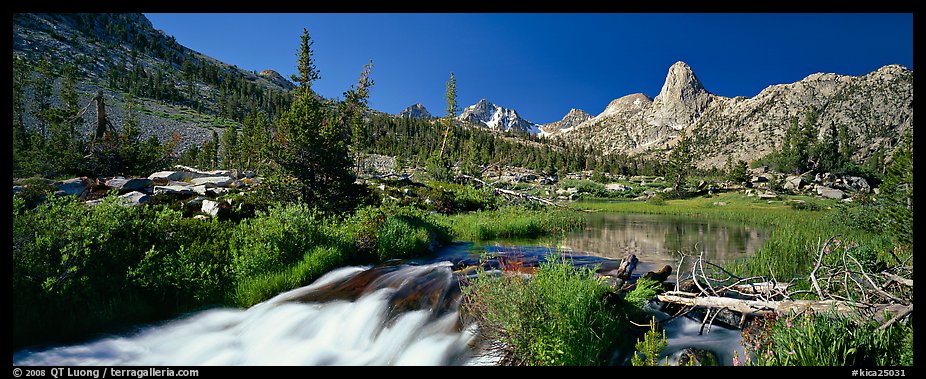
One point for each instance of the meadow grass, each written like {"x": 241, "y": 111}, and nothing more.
{"x": 512, "y": 222}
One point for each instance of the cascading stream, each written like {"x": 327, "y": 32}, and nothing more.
{"x": 350, "y": 316}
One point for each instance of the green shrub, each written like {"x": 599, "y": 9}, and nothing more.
{"x": 275, "y": 240}
{"x": 657, "y": 199}
{"x": 108, "y": 263}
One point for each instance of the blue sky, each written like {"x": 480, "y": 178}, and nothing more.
{"x": 543, "y": 64}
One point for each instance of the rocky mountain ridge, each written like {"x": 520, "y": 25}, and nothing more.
{"x": 495, "y": 117}
{"x": 569, "y": 121}
{"x": 415, "y": 111}
{"x": 876, "y": 107}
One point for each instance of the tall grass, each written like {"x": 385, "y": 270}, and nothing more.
{"x": 559, "y": 316}
{"x": 513, "y": 222}
{"x": 827, "y": 340}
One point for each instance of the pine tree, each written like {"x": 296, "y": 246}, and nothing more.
{"x": 351, "y": 111}
{"x": 230, "y": 149}
{"x": 896, "y": 193}
{"x": 21, "y": 146}
{"x": 451, "y": 110}
{"x": 306, "y": 64}
{"x": 311, "y": 147}
{"x": 680, "y": 162}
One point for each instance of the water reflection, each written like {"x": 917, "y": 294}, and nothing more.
{"x": 659, "y": 240}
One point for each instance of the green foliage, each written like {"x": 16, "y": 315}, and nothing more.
{"x": 312, "y": 148}
{"x": 557, "y": 317}
{"x": 645, "y": 290}
{"x": 650, "y": 347}
{"x": 591, "y": 188}
{"x": 657, "y": 199}
{"x": 439, "y": 168}
{"x": 231, "y": 152}
{"x": 827, "y": 340}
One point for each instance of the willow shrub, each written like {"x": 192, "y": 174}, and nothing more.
{"x": 828, "y": 340}
{"x": 561, "y": 315}
{"x": 78, "y": 269}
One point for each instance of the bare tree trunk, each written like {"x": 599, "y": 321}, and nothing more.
{"x": 100, "y": 116}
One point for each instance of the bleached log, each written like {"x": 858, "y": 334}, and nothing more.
{"x": 757, "y": 307}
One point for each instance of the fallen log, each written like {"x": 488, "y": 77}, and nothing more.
{"x": 758, "y": 307}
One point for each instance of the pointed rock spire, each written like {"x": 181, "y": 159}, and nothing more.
{"x": 682, "y": 98}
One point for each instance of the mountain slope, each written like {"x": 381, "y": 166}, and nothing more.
{"x": 180, "y": 90}
{"x": 875, "y": 107}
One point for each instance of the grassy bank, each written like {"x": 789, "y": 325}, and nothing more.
{"x": 513, "y": 222}
{"x": 79, "y": 269}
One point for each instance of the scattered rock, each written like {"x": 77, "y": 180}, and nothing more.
{"x": 830, "y": 193}
{"x": 614, "y": 187}
{"x": 212, "y": 181}
{"x": 132, "y": 199}
{"x": 767, "y": 195}
{"x": 124, "y": 185}
{"x": 793, "y": 183}
{"x": 177, "y": 190}
{"x": 74, "y": 187}
{"x": 211, "y": 208}
{"x": 168, "y": 176}
{"x": 720, "y": 203}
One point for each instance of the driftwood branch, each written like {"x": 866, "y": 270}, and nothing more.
{"x": 513, "y": 193}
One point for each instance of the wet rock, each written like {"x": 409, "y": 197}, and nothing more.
{"x": 661, "y": 275}
{"x": 697, "y": 357}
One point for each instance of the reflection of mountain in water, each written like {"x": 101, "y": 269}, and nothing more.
{"x": 660, "y": 239}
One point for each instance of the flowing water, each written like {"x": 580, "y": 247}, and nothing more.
{"x": 404, "y": 313}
